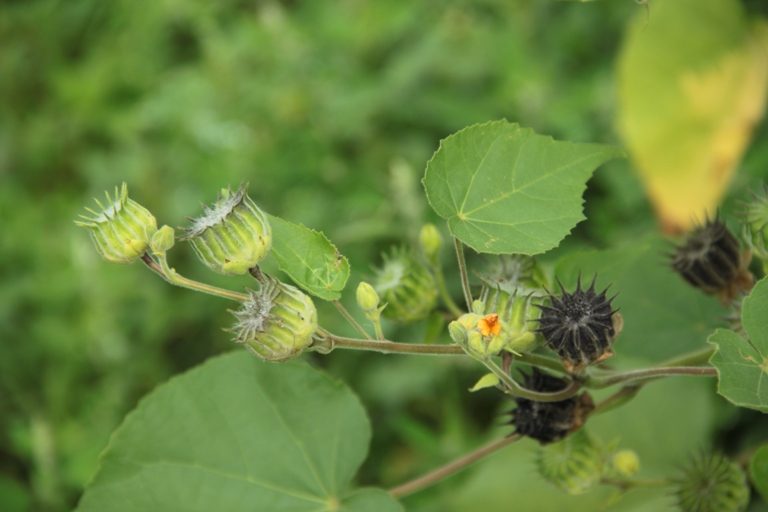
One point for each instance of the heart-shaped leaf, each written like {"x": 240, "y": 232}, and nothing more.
{"x": 238, "y": 434}
{"x": 742, "y": 363}
{"x": 504, "y": 189}
{"x": 309, "y": 258}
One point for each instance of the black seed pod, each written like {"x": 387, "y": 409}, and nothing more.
{"x": 580, "y": 326}
{"x": 712, "y": 483}
{"x": 711, "y": 260}
{"x": 548, "y": 422}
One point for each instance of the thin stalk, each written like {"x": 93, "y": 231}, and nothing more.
{"x": 449, "y": 303}
{"x": 451, "y": 468}
{"x": 377, "y": 327}
{"x": 391, "y": 347}
{"x": 540, "y": 361}
{"x": 517, "y": 390}
{"x": 170, "y": 275}
{"x": 351, "y": 319}
{"x": 463, "y": 272}
{"x": 634, "y": 484}
{"x": 691, "y": 359}
{"x": 594, "y": 382}
{"x": 617, "y": 399}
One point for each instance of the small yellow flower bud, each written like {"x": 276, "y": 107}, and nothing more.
{"x": 367, "y": 298}
{"x": 162, "y": 240}
{"x": 123, "y": 229}
{"x": 626, "y": 463}
{"x": 430, "y": 241}
{"x": 458, "y": 332}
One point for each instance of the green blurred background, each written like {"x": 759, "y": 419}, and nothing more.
{"x": 330, "y": 110}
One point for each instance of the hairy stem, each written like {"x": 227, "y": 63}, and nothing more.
{"x": 351, "y": 319}
{"x": 617, "y": 399}
{"x": 390, "y": 347}
{"x": 463, "y": 272}
{"x": 452, "y": 467}
{"x": 595, "y": 382}
{"x": 517, "y": 390}
{"x": 690, "y": 359}
{"x": 170, "y": 275}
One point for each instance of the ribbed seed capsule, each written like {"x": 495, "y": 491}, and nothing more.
{"x": 754, "y": 218}
{"x": 580, "y": 326}
{"x": 277, "y": 322}
{"x": 548, "y": 422}
{"x": 233, "y": 236}
{"x": 712, "y": 483}
{"x": 574, "y": 465}
{"x": 122, "y": 230}
{"x": 406, "y": 286}
{"x": 711, "y": 260}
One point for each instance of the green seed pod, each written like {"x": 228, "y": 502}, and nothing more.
{"x": 625, "y": 463}
{"x": 754, "y": 218}
{"x": 162, "y": 240}
{"x": 277, "y": 323}
{"x": 459, "y": 333}
{"x": 123, "y": 230}
{"x": 233, "y": 236}
{"x": 406, "y": 286}
{"x": 712, "y": 483}
{"x": 430, "y": 242}
{"x": 367, "y": 298}
{"x": 574, "y": 465}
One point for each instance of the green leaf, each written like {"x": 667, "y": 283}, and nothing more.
{"x": 758, "y": 471}
{"x": 309, "y": 258}
{"x": 742, "y": 364}
{"x": 488, "y": 380}
{"x": 504, "y": 189}
{"x": 238, "y": 434}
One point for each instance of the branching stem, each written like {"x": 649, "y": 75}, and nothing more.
{"x": 351, "y": 319}
{"x": 516, "y": 389}
{"x": 451, "y": 468}
{"x": 595, "y": 382}
{"x": 449, "y": 303}
{"x": 170, "y": 275}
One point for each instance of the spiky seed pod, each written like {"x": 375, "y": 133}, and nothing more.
{"x": 711, "y": 259}
{"x": 276, "y": 323}
{"x": 580, "y": 326}
{"x": 754, "y": 218}
{"x": 233, "y": 236}
{"x": 712, "y": 483}
{"x": 548, "y": 422}
{"x": 406, "y": 286}
{"x": 574, "y": 465}
{"x": 122, "y": 230}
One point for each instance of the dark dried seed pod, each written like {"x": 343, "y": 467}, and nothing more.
{"x": 548, "y": 422}
{"x": 711, "y": 260}
{"x": 580, "y": 326}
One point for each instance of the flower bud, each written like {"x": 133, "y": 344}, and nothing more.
{"x": 625, "y": 463}
{"x": 233, "y": 236}
{"x": 548, "y": 422}
{"x": 367, "y": 298}
{"x": 276, "y": 323}
{"x": 711, "y": 260}
{"x": 755, "y": 222}
{"x": 580, "y": 326}
{"x": 430, "y": 242}
{"x": 123, "y": 229}
{"x": 458, "y": 332}
{"x": 712, "y": 483}
{"x": 162, "y": 240}
{"x": 574, "y": 465}
{"x": 406, "y": 286}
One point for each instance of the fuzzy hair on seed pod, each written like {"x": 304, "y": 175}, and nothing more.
{"x": 406, "y": 286}
{"x": 711, "y": 259}
{"x": 712, "y": 483}
{"x": 574, "y": 465}
{"x": 580, "y": 326}
{"x": 548, "y": 422}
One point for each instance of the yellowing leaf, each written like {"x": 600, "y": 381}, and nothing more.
{"x": 692, "y": 88}
{"x": 486, "y": 381}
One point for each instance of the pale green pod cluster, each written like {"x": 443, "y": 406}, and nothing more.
{"x": 406, "y": 286}
{"x": 122, "y": 231}
{"x": 277, "y": 323}
{"x": 755, "y": 223}
{"x": 574, "y": 465}
{"x": 233, "y": 236}
{"x": 712, "y": 483}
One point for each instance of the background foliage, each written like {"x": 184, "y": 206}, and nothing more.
{"x": 330, "y": 109}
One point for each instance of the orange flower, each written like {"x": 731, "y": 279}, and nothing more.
{"x": 489, "y": 325}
